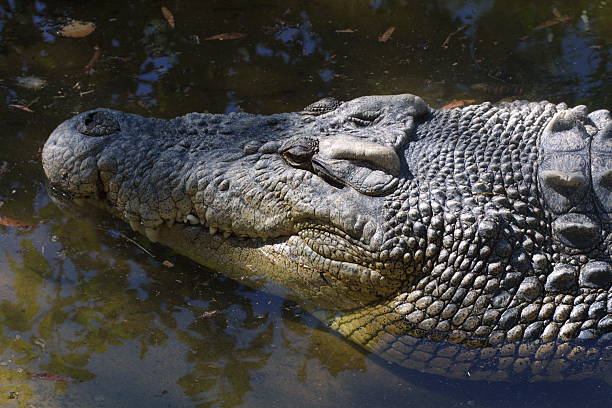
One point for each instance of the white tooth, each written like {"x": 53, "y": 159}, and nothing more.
{"x": 212, "y": 230}
{"x": 227, "y": 234}
{"x": 134, "y": 225}
{"x": 192, "y": 219}
{"x": 152, "y": 234}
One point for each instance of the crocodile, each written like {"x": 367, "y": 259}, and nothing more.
{"x": 472, "y": 242}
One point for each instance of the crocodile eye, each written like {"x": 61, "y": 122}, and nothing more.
{"x": 298, "y": 153}
{"x": 364, "y": 118}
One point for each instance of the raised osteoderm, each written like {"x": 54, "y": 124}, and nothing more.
{"x": 473, "y": 242}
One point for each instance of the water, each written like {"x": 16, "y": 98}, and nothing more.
{"x": 93, "y": 315}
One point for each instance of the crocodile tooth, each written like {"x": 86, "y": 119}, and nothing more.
{"x": 227, "y": 234}
{"x": 212, "y": 230}
{"x": 192, "y": 219}
{"x": 152, "y": 234}
{"x": 134, "y": 225}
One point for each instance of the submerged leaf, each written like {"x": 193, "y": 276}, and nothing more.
{"x": 168, "y": 16}
{"x": 77, "y": 29}
{"x": 546, "y": 24}
{"x": 94, "y": 59}
{"x": 226, "y": 36}
{"x": 11, "y": 222}
{"x": 387, "y": 34}
{"x": 21, "y": 107}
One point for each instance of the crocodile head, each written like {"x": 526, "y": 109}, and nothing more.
{"x": 474, "y": 242}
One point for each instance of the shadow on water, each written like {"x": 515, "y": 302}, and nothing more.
{"x": 92, "y": 315}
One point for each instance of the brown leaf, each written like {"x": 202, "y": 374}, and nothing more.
{"x": 559, "y": 18}
{"x": 167, "y": 264}
{"x": 94, "y": 58}
{"x": 168, "y": 16}
{"x": 548, "y": 23}
{"x": 456, "y": 103}
{"x": 346, "y": 30}
{"x": 77, "y": 29}
{"x": 11, "y": 222}
{"x": 23, "y": 108}
{"x": 226, "y": 36}
{"x": 387, "y": 34}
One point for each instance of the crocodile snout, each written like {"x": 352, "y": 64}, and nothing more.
{"x": 69, "y": 156}
{"x": 97, "y": 123}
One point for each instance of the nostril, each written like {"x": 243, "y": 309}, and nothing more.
{"x": 98, "y": 123}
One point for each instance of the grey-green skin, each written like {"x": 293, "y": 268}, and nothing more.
{"x": 473, "y": 242}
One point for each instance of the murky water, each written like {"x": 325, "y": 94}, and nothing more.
{"x": 93, "y": 315}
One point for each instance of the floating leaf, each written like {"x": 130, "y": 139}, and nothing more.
{"x": 167, "y": 264}
{"x": 226, "y": 36}
{"x": 456, "y": 103}
{"x": 387, "y": 34}
{"x": 559, "y": 18}
{"x": 11, "y": 222}
{"x": 21, "y": 107}
{"x": 77, "y": 29}
{"x": 168, "y": 16}
{"x": 207, "y": 314}
{"x": 546, "y": 24}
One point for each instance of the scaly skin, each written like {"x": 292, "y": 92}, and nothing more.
{"x": 473, "y": 243}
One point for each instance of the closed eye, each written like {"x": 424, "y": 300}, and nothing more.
{"x": 364, "y": 118}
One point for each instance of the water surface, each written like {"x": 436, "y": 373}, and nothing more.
{"x": 93, "y": 315}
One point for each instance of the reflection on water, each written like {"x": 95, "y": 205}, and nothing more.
{"x": 92, "y": 315}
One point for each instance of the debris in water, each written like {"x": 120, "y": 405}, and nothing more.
{"x": 456, "y": 103}
{"x": 559, "y": 18}
{"x": 226, "y": 36}
{"x": 167, "y": 264}
{"x": 53, "y": 377}
{"x": 21, "y": 107}
{"x": 77, "y": 29}
{"x": 168, "y": 16}
{"x": 387, "y": 34}
{"x": 31, "y": 82}
{"x": 94, "y": 59}
{"x": 446, "y": 42}
{"x": 11, "y": 222}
